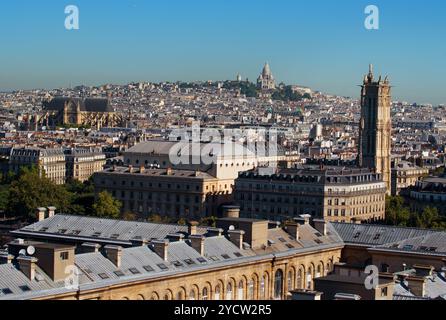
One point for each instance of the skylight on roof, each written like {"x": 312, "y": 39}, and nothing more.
{"x": 134, "y": 271}
{"x": 201, "y": 260}
{"x": 119, "y": 273}
{"x": 225, "y": 256}
{"x": 6, "y": 291}
{"x": 25, "y": 288}
{"x": 189, "y": 262}
{"x": 103, "y": 276}
{"x": 177, "y": 264}
{"x": 148, "y": 268}
{"x": 162, "y": 266}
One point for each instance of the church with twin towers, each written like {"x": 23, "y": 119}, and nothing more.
{"x": 375, "y": 128}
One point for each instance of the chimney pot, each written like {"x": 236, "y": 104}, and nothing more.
{"x": 51, "y": 212}
{"x": 161, "y": 248}
{"x": 215, "y": 232}
{"x": 293, "y": 229}
{"x": 139, "y": 242}
{"x": 177, "y": 237}
{"x": 90, "y": 247}
{"x": 114, "y": 254}
{"x": 197, "y": 243}
{"x": 6, "y": 258}
{"x": 417, "y": 285}
{"x": 28, "y": 266}
{"x": 236, "y": 238}
{"x": 321, "y": 226}
{"x": 41, "y": 212}
{"x": 192, "y": 227}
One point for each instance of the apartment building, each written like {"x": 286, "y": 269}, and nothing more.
{"x": 344, "y": 195}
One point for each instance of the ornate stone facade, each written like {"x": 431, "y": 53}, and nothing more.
{"x": 92, "y": 112}
{"x": 376, "y": 126}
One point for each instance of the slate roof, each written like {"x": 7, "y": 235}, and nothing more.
{"x": 435, "y": 289}
{"x": 100, "y": 230}
{"x": 431, "y": 244}
{"x": 377, "y": 235}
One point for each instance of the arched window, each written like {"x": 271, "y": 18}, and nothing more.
{"x": 262, "y": 287}
{"x": 278, "y": 285}
{"x": 180, "y": 296}
{"x": 299, "y": 279}
{"x": 290, "y": 282}
{"x": 240, "y": 291}
{"x": 251, "y": 290}
{"x": 192, "y": 295}
{"x": 217, "y": 292}
{"x": 319, "y": 271}
{"x": 229, "y": 295}
{"x": 309, "y": 279}
{"x": 205, "y": 294}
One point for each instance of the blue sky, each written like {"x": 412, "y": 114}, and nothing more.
{"x": 318, "y": 43}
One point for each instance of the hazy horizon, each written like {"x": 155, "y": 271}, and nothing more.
{"x": 319, "y": 44}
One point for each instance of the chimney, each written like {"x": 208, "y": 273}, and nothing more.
{"x": 293, "y": 229}
{"x": 28, "y": 266}
{"x": 423, "y": 270}
{"x": 214, "y": 232}
{"x": 197, "y": 243}
{"x": 417, "y": 285}
{"x": 41, "y": 214}
{"x": 88, "y": 247}
{"x": 114, "y": 254}
{"x": 6, "y": 258}
{"x": 51, "y": 212}
{"x": 273, "y": 225}
{"x": 130, "y": 169}
{"x": 177, "y": 237}
{"x": 139, "y": 242}
{"x": 303, "y": 219}
{"x": 192, "y": 228}
{"x": 161, "y": 248}
{"x": 142, "y": 169}
{"x": 231, "y": 212}
{"x": 169, "y": 171}
{"x": 236, "y": 238}
{"x": 321, "y": 226}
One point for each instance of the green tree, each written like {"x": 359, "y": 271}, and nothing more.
{"x": 429, "y": 218}
{"x": 106, "y": 206}
{"x": 32, "y": 190}
{"x": 396, "y": 212}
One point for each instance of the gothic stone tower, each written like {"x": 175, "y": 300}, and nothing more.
{"x": 376, "y": 126}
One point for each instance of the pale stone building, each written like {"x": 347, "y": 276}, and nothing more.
{"x": 337, "y": 194}
{"x": 243, "y": 259}
{"x": 81, "y": 164}
{"x": 50, "y": 161}
{"x": 404, "y": 175}
{"x": 376, "y": 127}
{"x": 166, "y": 192}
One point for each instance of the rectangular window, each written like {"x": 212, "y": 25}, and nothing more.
{"x": 64, "y": 255}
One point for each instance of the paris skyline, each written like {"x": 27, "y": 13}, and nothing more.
{"x": 321, "y": 45}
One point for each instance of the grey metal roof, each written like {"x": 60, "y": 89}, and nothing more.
{"x": 114, "y": 230}
{"x": 12, "y": 278}
{"x": 435, "y": 288}
{"x": 432, "y": 244}
{"x": 376, "y": 235}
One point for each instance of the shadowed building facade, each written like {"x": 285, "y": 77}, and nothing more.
{"x": 92, "y": 112}
{"x": 376, "y": 127}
